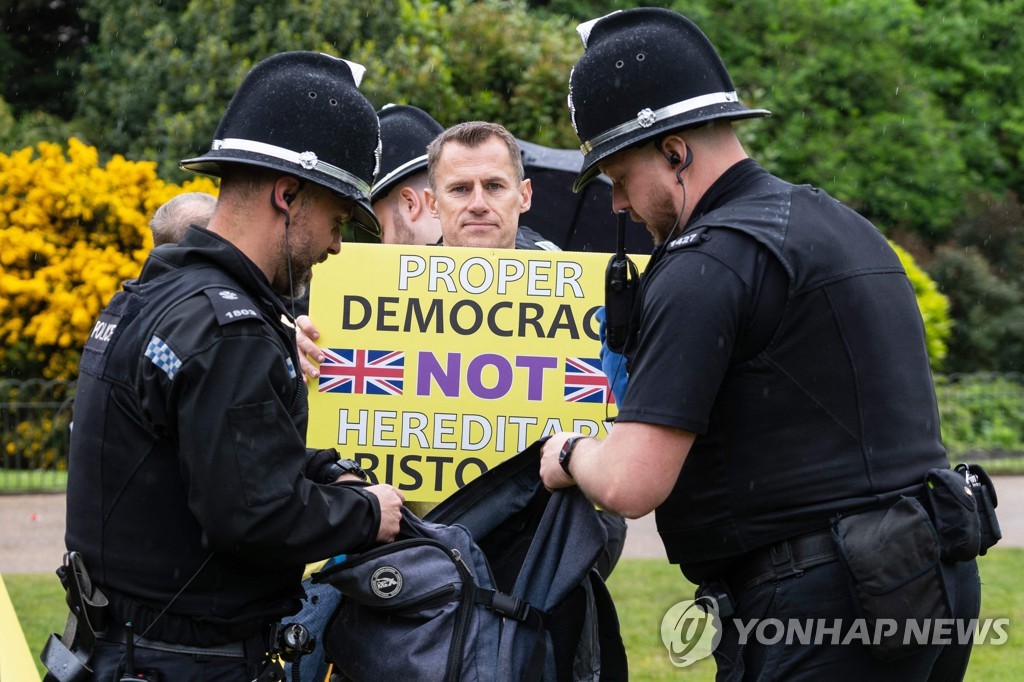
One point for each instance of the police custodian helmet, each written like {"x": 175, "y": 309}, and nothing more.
{"x": 405, "y": 132}
{"x": 302, "y": 113}
{"x": 645, "y": 72}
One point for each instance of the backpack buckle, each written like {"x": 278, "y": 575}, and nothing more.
{"x": 509, "y": 606}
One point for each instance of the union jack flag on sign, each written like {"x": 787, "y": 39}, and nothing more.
{"x": 585, "y": 382}
{"x": 370, "y": 372}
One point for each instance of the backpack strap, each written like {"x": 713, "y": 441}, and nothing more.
{"x": 510, "y": 607}
{"x": 522, "y": 611}
{"x": 614, "y": 664}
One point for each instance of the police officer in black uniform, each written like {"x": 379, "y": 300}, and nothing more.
{"x": 397, "y": 193}
{"x": 778, "y": 377}
{"x": 191, "y": 496}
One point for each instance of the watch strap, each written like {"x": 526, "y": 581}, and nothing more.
{"x": 342, "y": 467}
{"x": 566, "y": 452}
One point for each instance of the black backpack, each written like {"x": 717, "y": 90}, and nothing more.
{"x": 496, "y": 583}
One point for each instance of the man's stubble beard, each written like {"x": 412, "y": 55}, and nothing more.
{"x": 296, "y": 255}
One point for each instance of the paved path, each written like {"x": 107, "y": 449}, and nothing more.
{"x": 32, "y": 529}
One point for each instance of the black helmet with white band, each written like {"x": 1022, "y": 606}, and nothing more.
{"x": 405, "y": 132}
{"x": 645, "y": 72}
{"x": 302, "y": 113}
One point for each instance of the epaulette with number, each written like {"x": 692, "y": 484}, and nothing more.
{"x": 689, "y": 239}
{"x": 230, "y": 305}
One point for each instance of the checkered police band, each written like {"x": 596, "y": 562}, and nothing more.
{"x": 161, "y": 355}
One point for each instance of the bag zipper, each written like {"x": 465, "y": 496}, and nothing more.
{"x": 454, "y": 669}
{"x": 384, "y": 550}
{"x": 441, "y": 595}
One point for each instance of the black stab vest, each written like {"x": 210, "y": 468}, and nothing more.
{"x": 838, "y": 412}
{"x": 143, "y": 535}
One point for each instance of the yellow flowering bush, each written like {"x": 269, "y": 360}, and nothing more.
{"x": 71, "y": 230}
{"x": 934, "y": 306}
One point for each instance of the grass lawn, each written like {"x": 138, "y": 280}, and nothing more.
{"x": 643, "y": 589}
{"x": 1000, "y": 466}
{"x": 32, "y": 480}
{"x": 38, "y": 600}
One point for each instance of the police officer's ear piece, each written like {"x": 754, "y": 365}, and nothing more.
{"x": 288, "y": 197}
{"x": 283, "y": 210}
{"x": 674, "y": 160}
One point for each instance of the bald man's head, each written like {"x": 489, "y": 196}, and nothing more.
{"x": 172, "y": 219}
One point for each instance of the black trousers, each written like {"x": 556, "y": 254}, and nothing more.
{"x": 747, "y": 652}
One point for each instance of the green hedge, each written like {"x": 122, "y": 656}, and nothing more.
{"x": 982, "y": 414}
{"x": 982, "y": 419}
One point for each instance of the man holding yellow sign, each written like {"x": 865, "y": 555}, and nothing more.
{"x": 525, "y": 364}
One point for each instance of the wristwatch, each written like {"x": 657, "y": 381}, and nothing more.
{"x": 342, "y": 467}
{"x": 565, "y": 454}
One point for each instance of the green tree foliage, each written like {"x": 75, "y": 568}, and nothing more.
{"x": 852, "y": 113}
{"x": 980, "y": 270}
{"x": 41, "y": 44}
{"x": 994, "y": 225}
{"x": 490, "y": 61}
{"x": 989, "y": 334}
{"x": 584, "y": 10}
{"x": 972, "y": 51}
{"x": 161, "y": 75}
{"x": 24, "y": 131}
{"x": 899, "y": 108}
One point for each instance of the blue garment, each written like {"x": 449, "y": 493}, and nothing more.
{"x": 612, "y": 364}
{"x": 317, "y": 608}
{"x": 541, "y": 549}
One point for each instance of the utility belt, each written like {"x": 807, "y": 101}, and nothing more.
{"x": 161, "y": 623}
{"x": 893, "y": 555}
{"x": 117, "y": 633}
{"x": 67, "y": 657}
{"x": 781, "y": 560}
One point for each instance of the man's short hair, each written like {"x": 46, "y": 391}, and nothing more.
{"x": 237, "y": 180}
{"x": 473, "y": 134}
{"x": 170, "y": 222}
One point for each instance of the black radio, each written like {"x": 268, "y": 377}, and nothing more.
{"x": 620, "y": 290}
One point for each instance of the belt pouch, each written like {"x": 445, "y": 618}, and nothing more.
{"x": 954, "y": 511}
{"x": 892, "y": 556}
{"x": 985, "y": 496}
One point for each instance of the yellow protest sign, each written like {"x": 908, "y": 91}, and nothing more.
{"x": 442, "y": 362}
